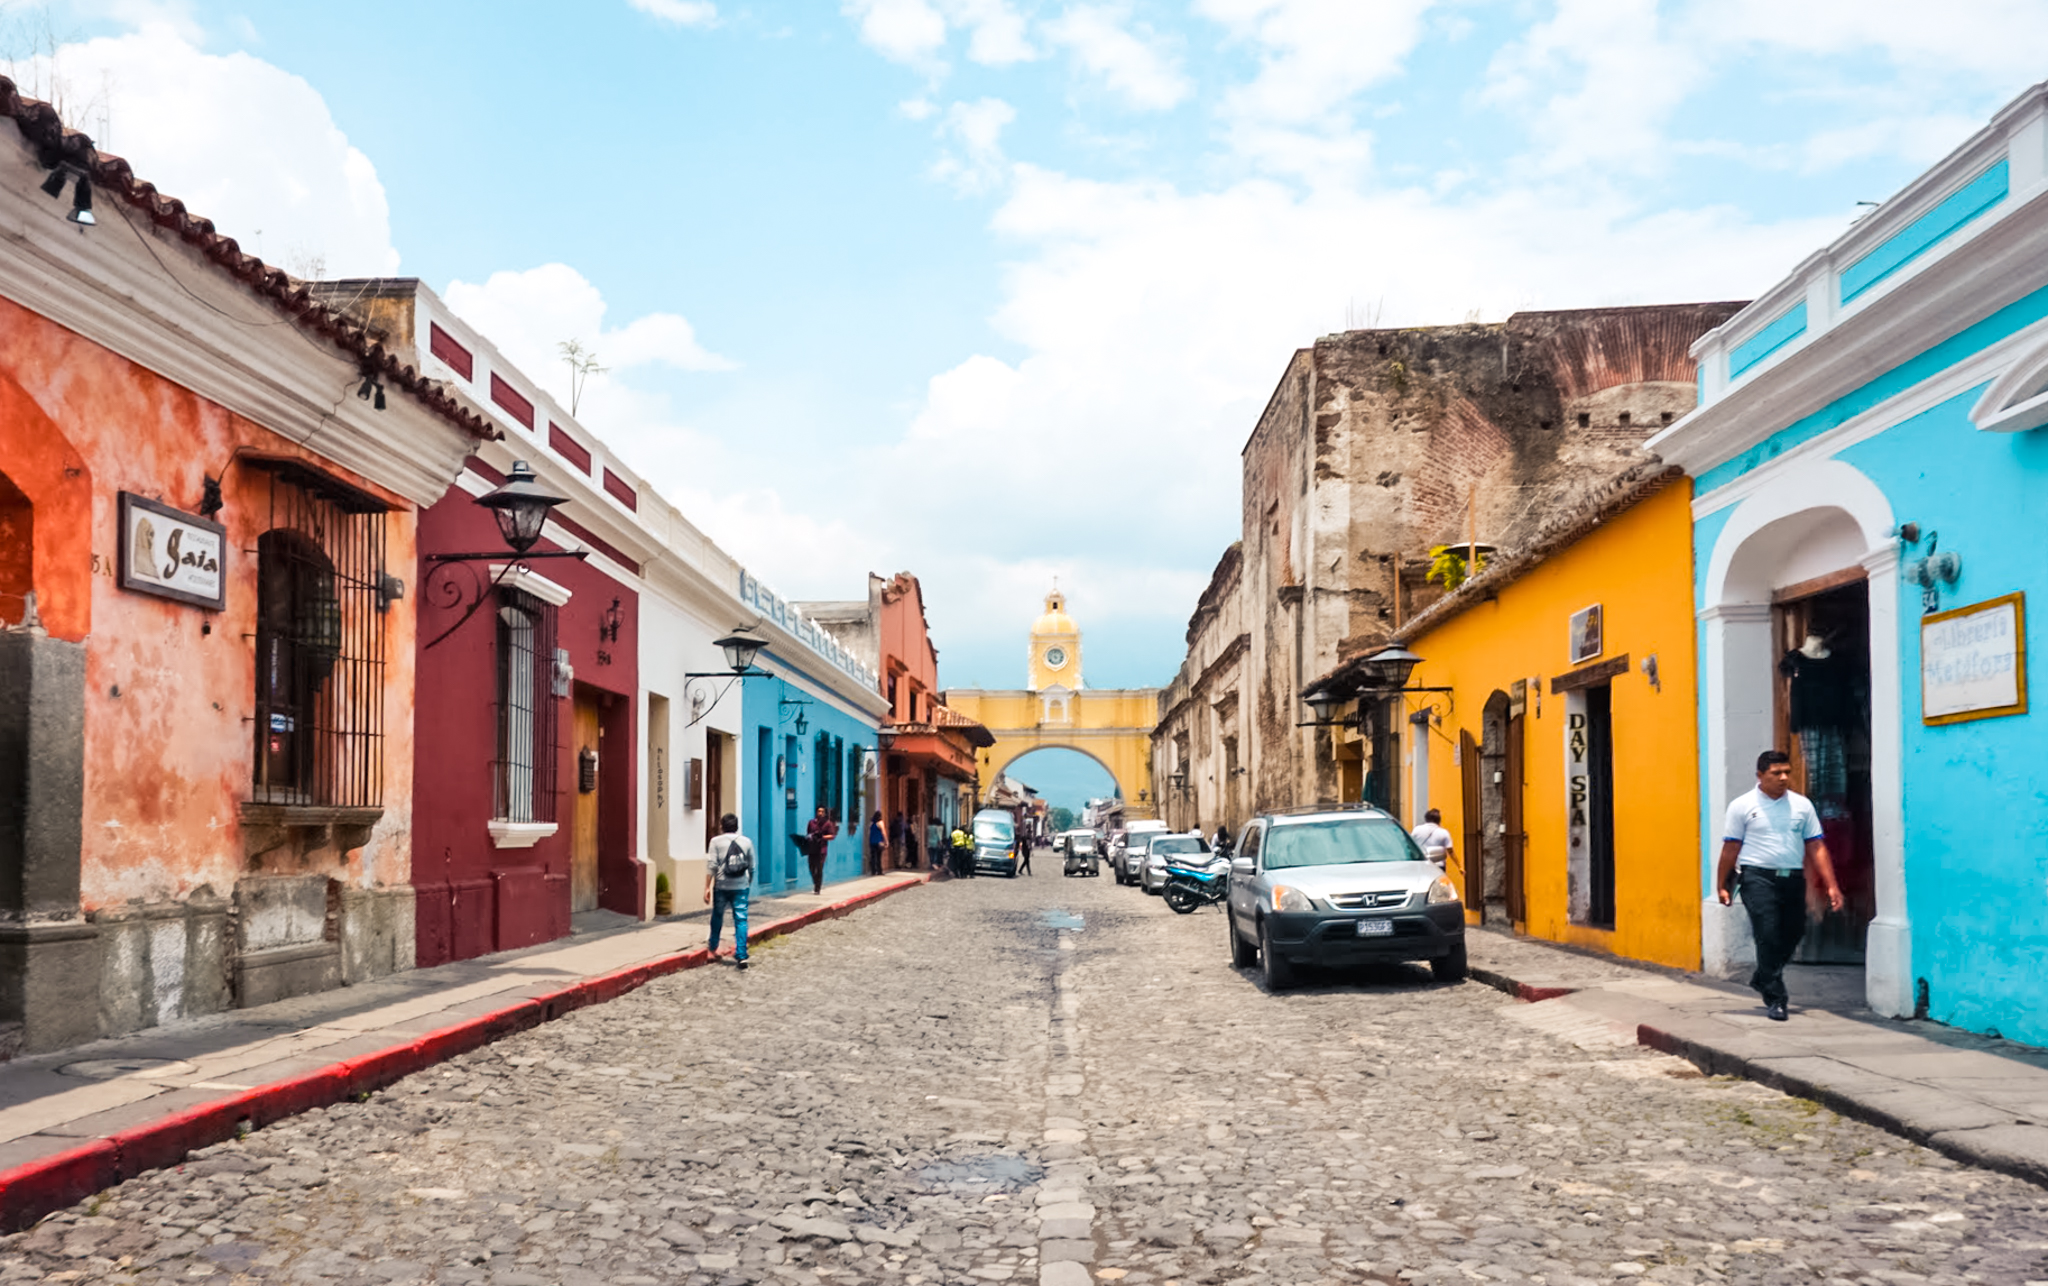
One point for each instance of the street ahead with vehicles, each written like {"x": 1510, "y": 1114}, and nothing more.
{"x": 1329, "y": 887}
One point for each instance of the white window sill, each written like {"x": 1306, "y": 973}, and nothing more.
{"x": 520, "y": 834}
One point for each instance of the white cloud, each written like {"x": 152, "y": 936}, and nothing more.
{"x": 284, "y": 180}
{"x": 1315, "y": 55}
{"x": 904, "y": 31}
{"x": 527, "y": 314}
{"x": 1600, "y": 81}
{"x": 916, "y": 109}
{"x": 975, "y": 163}
{"x": 683, "y": 13}
{"x": 997, "y": 37}
{"x": 1998, "y": 38}
{"x": 1133, "y": 66}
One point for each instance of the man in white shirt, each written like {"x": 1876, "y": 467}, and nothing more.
{"x": 1770, "y": 836}
{"x": 1432, "y": 838}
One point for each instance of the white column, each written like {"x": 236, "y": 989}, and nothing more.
{"x": 1736, "y": 719}
{"x": 1888, "y": 949}
{"x": 1419, "y": 721}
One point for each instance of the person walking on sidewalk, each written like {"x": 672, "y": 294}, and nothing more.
{"x": 1023, "y": 851}
{"x": 1432, "y": 838}
{"x": 1771, "y": 837}
{"x": 728, "y": 879}
{"x": 818, "y": 838}
{"x": 935, "y": 844}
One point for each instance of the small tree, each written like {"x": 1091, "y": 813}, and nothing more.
{"x": 582, "y": 365}
{"x": 1447, "y": 565}
{"x": 1062, "y": 818}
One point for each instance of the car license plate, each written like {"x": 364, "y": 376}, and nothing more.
{"x": 1375, "y": 928}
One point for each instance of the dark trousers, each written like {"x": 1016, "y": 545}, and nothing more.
{"x": 1777, "y": 918}
{"x": 1024, "y": 859}
{"x": 817, "y": 859}
{"x": 875, "y": 852}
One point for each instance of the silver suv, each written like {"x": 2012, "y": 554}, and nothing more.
{"x": 1335, "y": 887}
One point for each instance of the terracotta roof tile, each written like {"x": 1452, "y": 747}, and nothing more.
{"x": 55, "y": 144}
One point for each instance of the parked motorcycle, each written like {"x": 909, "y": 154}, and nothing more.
{"x": 1190, "y": 887}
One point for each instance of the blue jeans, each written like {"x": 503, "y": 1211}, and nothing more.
{"x": 737, "y": 900}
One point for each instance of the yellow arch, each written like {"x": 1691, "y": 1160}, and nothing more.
{"x": 1112, "y": 726}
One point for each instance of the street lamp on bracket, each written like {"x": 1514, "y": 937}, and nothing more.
{"x": 521, "y": 506}
{"x": 739, "y": 648}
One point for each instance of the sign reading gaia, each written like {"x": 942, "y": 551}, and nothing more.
{"x": 1973, "y": 661}
{"x": 172, "y": 554}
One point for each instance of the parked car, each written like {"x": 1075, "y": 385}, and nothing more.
{"x": 995, "y": 834}
{"x": 1334, "y": 887}
{"x": 1152, "y": 876}
{"x": 1130, "y": 862}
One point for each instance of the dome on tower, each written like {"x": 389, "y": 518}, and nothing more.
{"x": 1055, "y": 620}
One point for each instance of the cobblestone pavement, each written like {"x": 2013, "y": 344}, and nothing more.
{"x": 1059, "y": 1081}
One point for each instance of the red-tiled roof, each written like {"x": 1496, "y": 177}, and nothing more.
{"x": 55, "y": 144}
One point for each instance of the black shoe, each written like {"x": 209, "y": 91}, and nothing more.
{"x": 1776, "y": 1013}
{"x": 740, "y": 963}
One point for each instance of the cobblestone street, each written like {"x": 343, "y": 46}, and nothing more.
{"x": 1052, "y": 1080}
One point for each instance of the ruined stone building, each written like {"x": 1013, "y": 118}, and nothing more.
{"x": 1376, "y": 446}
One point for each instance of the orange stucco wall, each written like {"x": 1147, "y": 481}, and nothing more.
{"x": 169, "y": 701}
{"x": 1638, "y": 566}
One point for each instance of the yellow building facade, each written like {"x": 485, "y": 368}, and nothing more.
{"x": 1564, "y": 758}
{"x": 1111, "y": 726}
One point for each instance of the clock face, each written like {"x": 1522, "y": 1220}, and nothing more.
{"x": 1056, "y": 657}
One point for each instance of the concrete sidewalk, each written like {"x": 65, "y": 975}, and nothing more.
{"x": 79, "y": 1120}
{"x": 1973, "y": 1098}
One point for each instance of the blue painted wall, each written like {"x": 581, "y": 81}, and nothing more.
{"x": 820, "y": 766}
{"x": 1976, "y": 793}
{"x": 1976, "y": 806}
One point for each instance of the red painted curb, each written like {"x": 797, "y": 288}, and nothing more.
{"x": 1532, "y": 994}
{"x": 35, "y": 1188}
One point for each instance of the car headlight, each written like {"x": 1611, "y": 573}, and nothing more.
{"x": 1441, "y": 891}
{"x": 1286, "y": 899}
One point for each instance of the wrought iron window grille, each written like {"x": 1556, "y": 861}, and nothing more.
{"x": 319, "y": 722}
{"x": 523, "y": 774}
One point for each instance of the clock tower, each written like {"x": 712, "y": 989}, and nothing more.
{"x": 1055, "y": 659}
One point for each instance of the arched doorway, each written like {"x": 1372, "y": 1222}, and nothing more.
{"x": 1493, "y": 838}
{"x": 1784, "y": 569}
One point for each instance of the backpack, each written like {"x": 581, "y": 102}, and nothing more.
{"x": 736, "y": 861}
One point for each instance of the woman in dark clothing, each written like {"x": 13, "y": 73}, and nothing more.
{"x": 878, "y": 843}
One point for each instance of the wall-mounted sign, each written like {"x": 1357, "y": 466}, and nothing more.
{"x": 172, "y": 554}
{"x": 1585, "y": 635}
{"x": 1973, "y": 661}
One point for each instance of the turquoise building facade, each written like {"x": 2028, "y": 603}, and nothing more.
{"x": 1870, "y": 464}
{"x": 807, "y": 737}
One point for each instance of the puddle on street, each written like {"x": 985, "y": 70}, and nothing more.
{"x": 1060, "y": 920}
{"x": 993, "y": 1172}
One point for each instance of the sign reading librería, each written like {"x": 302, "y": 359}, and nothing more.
{"x": 1973, "y": 661}
{"x": 172, "y": 554}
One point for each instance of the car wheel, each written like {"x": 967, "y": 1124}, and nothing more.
{"x": 1277, "y": 972}
{"x": 1450, "y": 968}
{"x": 1242, "y": 954}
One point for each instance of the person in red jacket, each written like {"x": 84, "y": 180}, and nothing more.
{"x": 818, "y": 838}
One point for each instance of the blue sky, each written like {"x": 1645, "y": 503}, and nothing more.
{"x": 992, "y": 290}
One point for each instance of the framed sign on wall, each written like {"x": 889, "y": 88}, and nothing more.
{"x": 172, "y": 554}
{"x": 1973, "y": 661}
{"x": 1585, "y": 634}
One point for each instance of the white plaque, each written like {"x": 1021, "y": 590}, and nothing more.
{"x": 172, "y": 554}
{"x": 1973, "y": 661}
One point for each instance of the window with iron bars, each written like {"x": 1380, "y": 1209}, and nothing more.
{"x": 523, "y": 775}
{"x": 319, "y": 642}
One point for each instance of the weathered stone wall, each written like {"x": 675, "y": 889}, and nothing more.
{"x": 1202, "y": 726}
{"x": 1378, "y": 444}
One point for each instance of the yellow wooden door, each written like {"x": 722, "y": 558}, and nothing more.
{"x": 583, "y": 841}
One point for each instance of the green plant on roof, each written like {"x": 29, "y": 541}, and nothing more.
{"x": 1447, "y": 565}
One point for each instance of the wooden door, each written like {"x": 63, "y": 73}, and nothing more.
{"x": 714, "y": 784}
{"x": 583, "y": 838}
{"x": 1470, "y": 844}
{"x": 1511, "y": 817}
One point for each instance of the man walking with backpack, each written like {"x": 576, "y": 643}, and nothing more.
{"x": 728, "y": 879}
